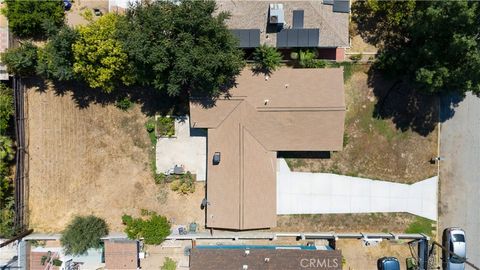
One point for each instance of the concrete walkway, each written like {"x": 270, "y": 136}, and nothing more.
{"x": 188, "y": 148}
{"x": 324, "y": 193}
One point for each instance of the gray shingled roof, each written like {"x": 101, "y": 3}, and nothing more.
{"x": 333, "y": 26}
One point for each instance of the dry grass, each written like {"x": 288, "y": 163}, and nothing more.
{"x": 374, "y": 148}
{"x": 374, "y": 222}
{"x": 94, "y": 160}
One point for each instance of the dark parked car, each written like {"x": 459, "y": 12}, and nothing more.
{"x": 388, "y": 263}
{"x": 97, "y": 12}
{"x": 454, "y": 240}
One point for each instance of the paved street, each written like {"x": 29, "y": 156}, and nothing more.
{"x": 460, "y": 172}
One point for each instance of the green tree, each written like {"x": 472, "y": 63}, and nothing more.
{"x": 6, "y": 107}
{"x": 28, "y": 18}
{"x": 55, "y": 60}
{"x": 6, "y": 156}
{"x": 153, "y": 230}
{"x": 181, "y": 48}
{"x": 7, "y": 215}
{"x": 383, "y": 22}
{"x": 82, "y": 233}
{"x": 22, "y": 60}
{"x": 99, "y": 57}
{"x": 267, "y": 58}
{"x": 436, "y": 46}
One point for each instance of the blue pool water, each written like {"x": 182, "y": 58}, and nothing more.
{"x": 254, "y": 247}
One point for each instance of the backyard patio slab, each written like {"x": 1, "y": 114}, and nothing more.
{"x": 324, "y": 193}
{"x": 187, "y": 148}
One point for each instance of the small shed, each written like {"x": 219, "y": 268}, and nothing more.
{"x": 121, "y": 254}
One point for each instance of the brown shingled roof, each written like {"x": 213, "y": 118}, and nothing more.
{"x": 293, "y": 110}
{"x": 265, "y": 259}
{"x": 121, "y": 254}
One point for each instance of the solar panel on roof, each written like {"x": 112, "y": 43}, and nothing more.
{"x": 298, "y": 19}
{"x": 328, "y": 2}
{"x": 282, "y": 39}
{"x": 313, "y": 37}
{"x": 342, "y": 6}
{"x": 295, "y": 38}
{"x": 248, "y": 38}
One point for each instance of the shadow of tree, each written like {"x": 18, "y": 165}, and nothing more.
{"x": 407, "y": 107}
{"x": 150, "y": 100}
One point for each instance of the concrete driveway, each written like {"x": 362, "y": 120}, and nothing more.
{"x": 324, "y": 193}
{"x": 460, "y": 171}
{"x": 187, "y": 148}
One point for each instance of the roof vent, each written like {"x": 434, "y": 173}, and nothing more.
{"x": 245, "y": 267}
{"x": 276, "y": 14}
{"x": 216, "y": 158}
{"x": 247, "y": 252}
{"x": 267, "y": 260}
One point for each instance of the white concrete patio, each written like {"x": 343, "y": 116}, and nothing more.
{"x": 323, "y": 193}
{"x": 187, "y": 148}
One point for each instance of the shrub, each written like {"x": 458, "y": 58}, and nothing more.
{"x": 159, "y": 178}
{"x": 6, "y": 107}
{"x": 57, "y": 262}
{"x": 184, "y": 184}
{"x": 7, "y": 214}
{"x": 150, "y": 126}
{"x": 82, "y": 233}
{"x": 267, "y": 59}
{"x": 124, "y": 103}
{"x": 153, "y": 230}
{"x": 169, "y": 264}
{"x": 307, "y": 59}
{"x": 166, "y": 126}
{"x": 22, "y": 60}
{"x": 356, "y": 57}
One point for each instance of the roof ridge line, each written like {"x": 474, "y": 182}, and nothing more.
{"x": 228, "y": 115}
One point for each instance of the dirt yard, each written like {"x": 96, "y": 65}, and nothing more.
{"x": 359, "y": 257}
{"x": 390, "y": 148}
{"x": 94, "y": 160}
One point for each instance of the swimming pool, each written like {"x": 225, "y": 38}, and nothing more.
{"x": 254, "y": 247}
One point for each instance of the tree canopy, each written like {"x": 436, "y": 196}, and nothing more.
{"x": 181, "y": 48}
{"x": 29, "y": 18}
{"x": 434, "y": 44}
{"x": 55, "y": 60}
{"x": 82, "y": 233}
{"x": 21, "y": 60}
{"x": 99, "y": 57}
{"x": 6, "y": 107}
{"x": 6, "y": 156}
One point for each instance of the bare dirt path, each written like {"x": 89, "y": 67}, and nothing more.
{"x": 93, "y": 160}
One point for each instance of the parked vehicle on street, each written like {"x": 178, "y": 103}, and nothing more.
{"x": 388, "y": 263}
{"x": 454, "y": 240}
